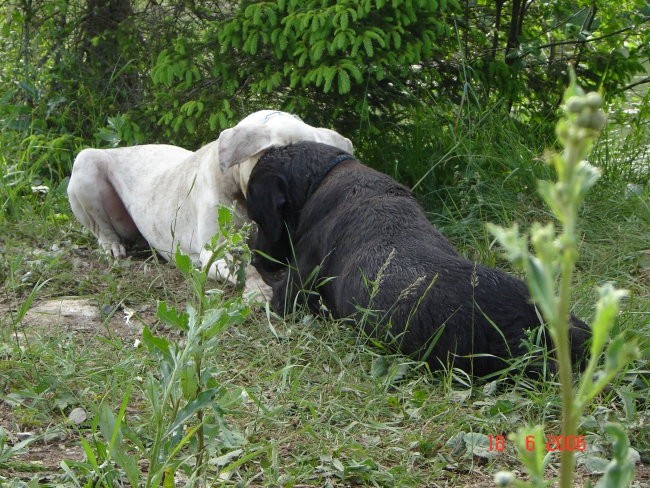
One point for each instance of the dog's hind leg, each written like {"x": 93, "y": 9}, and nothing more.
{"x": 97, "y": 205}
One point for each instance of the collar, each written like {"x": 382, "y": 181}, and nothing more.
{"x": 333, "y": 163}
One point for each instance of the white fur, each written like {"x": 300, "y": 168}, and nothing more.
{"x": 170, "y": 195}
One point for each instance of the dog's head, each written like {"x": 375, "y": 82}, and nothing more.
{"x": 243, "y": 144}
{"x": 280, "y": 184}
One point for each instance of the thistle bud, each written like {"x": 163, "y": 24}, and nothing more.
{"x": 584, "y": 119}
{"x": 593, "y": 100}
{"x": 598, "y": 120}
{"x": 575, "y": 104}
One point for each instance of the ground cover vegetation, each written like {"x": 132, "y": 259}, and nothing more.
{"x": 162, "y": 377}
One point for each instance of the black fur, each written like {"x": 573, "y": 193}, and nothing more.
{"x": 357, "y": 223}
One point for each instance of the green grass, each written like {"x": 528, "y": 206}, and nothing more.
{"x": 311, "y": 402}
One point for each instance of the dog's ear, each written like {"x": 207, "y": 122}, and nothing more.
{"x": 267, "y": 205}
{"x": 240, "y": 143}
{"x": 333, "y": 138}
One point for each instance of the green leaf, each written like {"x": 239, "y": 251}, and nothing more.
{"x": 214, "y": 322}
{"x": 605, "y": 317}
{"x": 183, "y": 262}
{"x": 129, "y": 464}
{"x": 302, "y": 59}
{"x": 244, "y": 459}
{"x": 340, "y": 41}
{"x": 155, "y": 344}
{"x": 379, "y": 367}
{"x": 257, "y": 16}
{"x": 171, "y": 316}
{"x": 397, "y": 40}
{"x": 343, "y": 19}
{"x": 315, "y": 23}
{"x": 253, "y": 41}
{"x": 620, "y": 471}
{"x": 168, "y": 478}
{"x": 316, "y": 52}
{"x": 367, "y": 44}
{"x": 531, "y": 442}
{"x": 271, "y": 16}
{"x": 353, "y": 70}
{"x": 478, "y": 445}
{"x": 251, "y": 10}
{"x": 90, "y": 454}
{"x": 305, "y": 20}
{"x": 628, "y": 398}
{"x": 376, "y": 34}
{"x": 573, "y": 90}
{"x": 544, "y": 242}
{"x": 203, "y": 400}
{"x": 224, "y": 218}
{"x": 593, "y": 464}
{"x": 108, "y": 426}
{"x": 189, "y": 381}
{"x": 549, "y": 192}
{"x": 515, "y": 245}
{"x": 152, "y": 390}
{"x": 176, "y": 125}
{"x": 328, "y": 74}
{"x": 619, "y": 352}
{"x": 542, "y": 287}
{"x": 283, "y": 41}
{"x": 344, "y": 81}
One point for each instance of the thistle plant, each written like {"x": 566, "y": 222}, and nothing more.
{"x": 188, "y": 403}
{"x": 549, "y": 271}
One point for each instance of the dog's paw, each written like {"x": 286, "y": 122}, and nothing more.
{"x": 258, "y": 291}
{"x": 114, "y": 249}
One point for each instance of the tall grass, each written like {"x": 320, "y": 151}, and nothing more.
{"x": 311, "y": 402}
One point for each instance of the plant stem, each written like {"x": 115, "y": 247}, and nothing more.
{"x": 573, "y": 154}
{"x": 200, "y": 434}
{"x": 199, "y": 415}
{"x": 564, "y": 365}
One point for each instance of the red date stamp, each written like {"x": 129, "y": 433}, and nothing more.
{"x": 554, "y": 443}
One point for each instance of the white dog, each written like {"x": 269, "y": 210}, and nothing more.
{"x": 169, "y": 195}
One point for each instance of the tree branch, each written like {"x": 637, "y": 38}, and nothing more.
{"x": 585, "y": 41}
{"x": 637, "y": 83}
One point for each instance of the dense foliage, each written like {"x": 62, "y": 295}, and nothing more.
{"x": 442, "y": 94}
{"x": 109, "y": 72}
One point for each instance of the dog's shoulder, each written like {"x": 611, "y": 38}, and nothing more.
{"x": 372, "y": 204}
{"x": 361, "y": 181}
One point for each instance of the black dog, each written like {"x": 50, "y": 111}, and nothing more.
{"x": 368, "y": 246}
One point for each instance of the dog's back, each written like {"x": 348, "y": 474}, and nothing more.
{"x": 382, "y": 262}
{"x": 373, "y": 234}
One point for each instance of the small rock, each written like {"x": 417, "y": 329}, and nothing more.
{"x": 78, "y": 416}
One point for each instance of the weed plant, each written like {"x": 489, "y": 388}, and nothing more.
{"x": 186, "y": 401}
{"x": 553, "y": 261}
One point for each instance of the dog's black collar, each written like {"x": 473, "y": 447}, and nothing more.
{"x": 325, "y": 171}
{"x": 338, "y": 159}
